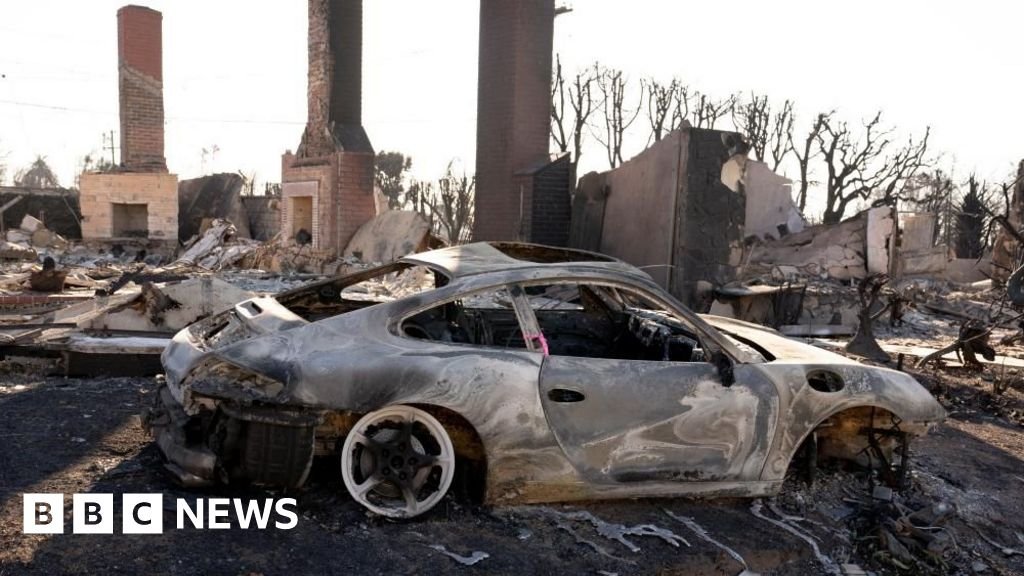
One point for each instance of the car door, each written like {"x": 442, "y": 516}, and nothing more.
{"x": 630, "y": 420}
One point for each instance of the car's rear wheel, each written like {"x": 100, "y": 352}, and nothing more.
{"x": 398, "y": 461}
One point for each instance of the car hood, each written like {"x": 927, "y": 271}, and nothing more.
{"x": 784, "y": 349}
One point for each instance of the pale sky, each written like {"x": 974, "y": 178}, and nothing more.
{"x": 235, "y": 73}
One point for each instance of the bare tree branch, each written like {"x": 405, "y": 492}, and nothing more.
{"x": 861, "y": 167}
{"x": 558, "y": 132}
{"x": 709, "y": 111}
{"x": 804, "y": 154}
{"x": 618, "y": 116}
{"x": 661, "y": 102}
{"x": 570, "y": 121}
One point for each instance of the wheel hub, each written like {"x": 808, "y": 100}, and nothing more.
{"x": 398, "y": 461}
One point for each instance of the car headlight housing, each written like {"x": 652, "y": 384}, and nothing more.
{"x": 220, "y": 379}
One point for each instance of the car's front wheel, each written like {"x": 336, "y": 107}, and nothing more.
{"x": 398, "y": 461}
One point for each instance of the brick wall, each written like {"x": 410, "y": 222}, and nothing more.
{"x": 140, "y": 86}
{"x": 342, "y": 190}
{"x": 305, "y": 180}
{"x": 353, "y": 199}
{"x": 513, "y": 108}
{"x": 551, "y": 204}
{"x": 159, "y": 191}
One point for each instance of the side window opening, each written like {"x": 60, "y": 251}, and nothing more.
{"x": 482, "y": 319}
{"x": 596, "y": 321}
{"x": 359, "y": 290}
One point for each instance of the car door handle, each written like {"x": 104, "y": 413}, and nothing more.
{"x": 565, "y": 396}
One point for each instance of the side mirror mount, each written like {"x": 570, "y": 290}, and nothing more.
{"x": 724, "y": 366}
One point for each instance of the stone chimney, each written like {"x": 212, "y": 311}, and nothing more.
{"x": 327, "y": 185}
{"x": 334, "y": 120}
{"x": 140, "y": 66}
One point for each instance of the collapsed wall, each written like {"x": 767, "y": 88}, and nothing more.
{"x": 668, "y": 211}
{"x": 851, "y": 249}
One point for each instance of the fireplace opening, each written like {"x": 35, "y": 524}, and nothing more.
{"x": 302, "y": 217}
{"x": 129, "y": 220}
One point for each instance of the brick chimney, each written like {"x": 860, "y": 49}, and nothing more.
{"x": 513, "y": 111}
{"x": 140, "y": 84}
{"x": 335, "y": 90}
{"x": 327, "y": 185}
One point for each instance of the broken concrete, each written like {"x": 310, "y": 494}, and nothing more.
{"x": 918, "y": 254}
{"x": 849, "y": 250}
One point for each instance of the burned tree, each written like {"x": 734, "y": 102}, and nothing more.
{"x": 451, "y": 205}
{"x": 38, "y": 174}
{"x": 804, "y": 153}
{"x": 618, "y": 114}
{"x": 558, "y": 129}
{"x": 863, "y": 342}
{"x": 663, "y": 106}
{"x": 681, "y": 107}
{"x": 868, "y": 166}
{"x": 768, "y": 132}
{"x": 1006, "y": 249}
{"x": 390, "y": 170}
{"x": 970, "y": 222}
{"x": 709, "y": 111}
{"x": 569, "y": 122}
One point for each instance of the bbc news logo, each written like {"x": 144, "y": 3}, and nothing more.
{"x": 144, "y": 513}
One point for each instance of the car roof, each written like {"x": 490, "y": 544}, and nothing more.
{"x": 483, "y": 257}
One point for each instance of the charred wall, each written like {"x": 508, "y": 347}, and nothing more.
{"x": 214, "y": 196}
{"x": 709, "y": 219}
{"x": 58, "y": 209}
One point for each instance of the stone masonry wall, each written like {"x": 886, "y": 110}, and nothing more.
{"x": 159, "y": 191}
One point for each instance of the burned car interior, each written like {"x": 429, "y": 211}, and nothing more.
{"x": 582, "y": 320}
{"x": 356, "y": 291}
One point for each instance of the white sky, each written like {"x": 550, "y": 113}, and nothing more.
{"x": 235, "y": 73}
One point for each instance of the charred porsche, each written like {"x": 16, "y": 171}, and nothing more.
{"x": 530, "y": 374}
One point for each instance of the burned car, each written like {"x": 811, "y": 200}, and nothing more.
{"x": 528, "y": 374}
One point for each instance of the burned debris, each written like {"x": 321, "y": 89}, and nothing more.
{"x": 488, "y": 346}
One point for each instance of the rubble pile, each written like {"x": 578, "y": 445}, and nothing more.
{"x": 84, "y": 303}
{"x": 286, "y": 256}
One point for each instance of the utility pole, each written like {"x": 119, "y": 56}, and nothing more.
{"x": 111, "y": 146}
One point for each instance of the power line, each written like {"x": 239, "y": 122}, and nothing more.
{"x": 49, "y": 107}
{"x": 169, "y": 118}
